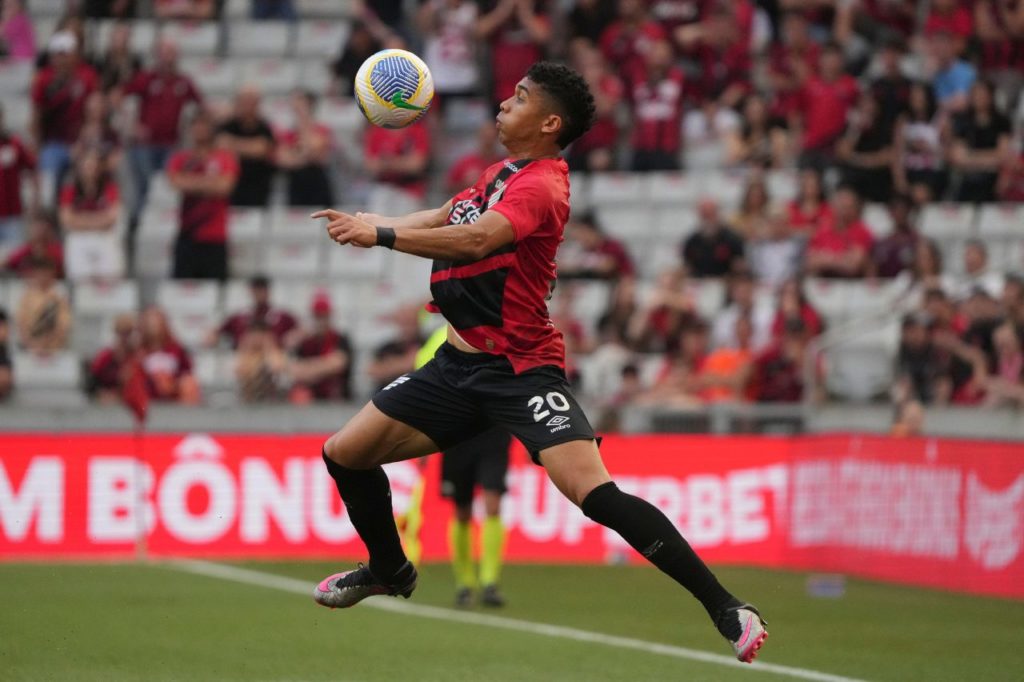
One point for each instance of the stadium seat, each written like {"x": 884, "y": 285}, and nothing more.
{"x": 191, "y": 307}
{"x": 321, "y": 39}
{"x": 246, "y": 236}
{"x": 17, "y": 115}
{"x": 579, "y": 198}
{"x": 626, "y": 223}
{"x": 192, "y": 38}
{"x": 95, "y": 306}
{"x": 237, "y": 9}
{"x": 271, "y": 76}
{"x": 315, "y": 75}
{"x": 44, "y": 28}
{"x": 15, "y": 78}
{"x": 142, "y": 40}
{"x": 215, "y": 371}
{"x": 408, "y": 280}
{"x": 212, "y": 75}
{"x": 671, "y": 188}
{"x": 673, "y": 224}
{"x": 300, "y": 258}
{"x": 325, "y": 9}
{"x": 874, "y": 297}
{"x": 725, "y": 187}
{"x": 47, "y": 8}
{"x": 589, "y": 300}
{"x": 292, "y": 223}
{"x": 878, "y": 220}
{"x": 616, "y": 188}
{"x": 947, "y": 220}
{"x": 340, "y": 114}
{"x": 782, "y": 185}
{"x": 60, "y": 370}
{"x": 269, "y": 39}
{"x": 859, "y": 374}
{"x": 1001, "y": 220}
{"x": 358, "y": 264}
{"x": 708, "y": 296}
{"x": 162, "y": 195}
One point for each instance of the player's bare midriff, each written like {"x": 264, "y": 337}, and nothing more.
{"x": 459, "y": 342}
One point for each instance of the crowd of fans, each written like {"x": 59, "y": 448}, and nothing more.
{"x": 893, "y": 102}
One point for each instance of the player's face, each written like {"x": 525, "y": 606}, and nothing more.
{"x": 525, "y": 116}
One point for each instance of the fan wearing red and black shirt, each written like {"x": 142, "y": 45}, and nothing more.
{"x": 824, "y": 101}
{"x": 493, "y": 247}
{"x": 15, "y": 161}
{"x": 658, "y": 112}
{"x": 205, "y": 175}
{"x": 322, "y": 366}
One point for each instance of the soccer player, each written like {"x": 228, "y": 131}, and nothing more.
{"x": 493, "y": 247}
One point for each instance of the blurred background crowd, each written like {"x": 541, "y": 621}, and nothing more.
{"x": 782, "y": 201}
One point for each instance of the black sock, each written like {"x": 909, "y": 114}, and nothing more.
{"x": 649, "y": 532}
{"x": 367, "y": 497}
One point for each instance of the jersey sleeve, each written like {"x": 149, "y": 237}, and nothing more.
{"x": 526, "y": 204}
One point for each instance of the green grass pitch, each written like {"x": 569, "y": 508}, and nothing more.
{"x": 155, "y": 622}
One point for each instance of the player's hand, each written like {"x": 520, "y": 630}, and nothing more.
{"x": 373, "y": 219}
{"x": 347, "y": 229}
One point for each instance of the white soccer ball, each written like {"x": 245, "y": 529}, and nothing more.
{"x": 394, "y": 88}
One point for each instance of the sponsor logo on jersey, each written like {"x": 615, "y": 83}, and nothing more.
{"x": 512, "y": 167}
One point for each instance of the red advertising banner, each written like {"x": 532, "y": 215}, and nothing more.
{"x": 940, "y": 513}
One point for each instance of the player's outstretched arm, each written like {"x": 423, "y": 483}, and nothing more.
{"x": 420, "y": 220}
{"x": 454, "y": 242}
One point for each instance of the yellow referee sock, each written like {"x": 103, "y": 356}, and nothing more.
{"x": 492, "y": 541}
{"x": 413, "y": 523}
{"x": 461, "y": 548}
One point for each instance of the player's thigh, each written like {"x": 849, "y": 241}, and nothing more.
{"x": 372, "y": 438}
{"x": 575, "y": 467}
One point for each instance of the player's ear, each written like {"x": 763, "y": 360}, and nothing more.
{"x": 552, "y": 124}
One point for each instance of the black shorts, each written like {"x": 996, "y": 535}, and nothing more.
{"x": 481, "y": 460}
{"x": 457, "y": 395}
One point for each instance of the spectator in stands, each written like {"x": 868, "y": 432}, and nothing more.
{"x": 708, "y": 132}
{"x": 976, "y": 273}
{"x": 927, "y": 268}
{"x": 518, "y": 31}
{"x": 761, "y": 140}
{"x": 189, "y": 10}
{"x": 17, "y": 39}
{"x": 205, "y": 175}
{"x": 896, "y": 252}
{"x": 726, "y": 371}
{"x": 968, "y": 367}
{"x": 777, "y": 375}
{"x": 118, "y": 64}
{"x": 790, "y": 60}
{"x": 922, "y": 367}
{"x": 274, "y": 9}
{"x": 720, "y": 43}
{"x": 304, "y": 153}
{"x": 809, "y": 209}
{"x": 397, "y": 161}
{"x": 775, "y": 253}
{"x": 657, "y": 102}
{"x": 109, "y": 9}
{"x": 109, "y": 368}
{"x": 360, "y": 44}
{"x": 322, "y": 366}
{"x": 872, "y": 18}
{"x": 1006, "y": 384}
{"x": 825, "y": 99}
{"x": 921, "y": 136}
{"x": 741, "y": 305}
{"x": 840, "y": 247}
{"x": 164, "y": 94}
{"x": 981, "y": 147}
{"x": 626, "y": 41}
{"x": 1012, "y": 300}
{"x": 280, "y": 322}
{"x": 260, "y": 364}
{"x": 595, "y": 150}
{"x": 98, "y": 135}
{"x": 999, "y": 28}
{"x": 908, "y": 419}
{"x": 59, "y": 92}
{"x": 1010, "y": 185}
{"x": 591, "y": 254}
{"x": 713, "y": 250}
{"x": 588, "y": 20}
{"x": 866, "y": 151}
{"x": 43, "y": 317}
{"x": 448, "y": 28}
{"x": 656, "y": 325}
{"x": 6, "y": 367}
{"x": 249, "y": 137}
{"x": 397, "y": 356}
{"x": 952, "y": 19}
{"x": 468, "y": 169}
{"x": 677, "y": 383}
{"x": 890, "y": 88}
{"x": 755, "y": 212}
{"x": 793, "y": 307}
{"x": 90, "y": 208}
{"x": 951, "y": 77}
{"x": 41, "y": 242}
{"x": 16, "y": 163}
{"x": 166, "y": 363}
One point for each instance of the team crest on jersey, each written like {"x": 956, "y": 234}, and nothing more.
{"x": 464, "y": 212}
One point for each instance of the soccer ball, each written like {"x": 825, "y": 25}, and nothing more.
{"x": 393, "y": 88}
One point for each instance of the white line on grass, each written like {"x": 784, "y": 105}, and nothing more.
{"x": 285, "y": 584}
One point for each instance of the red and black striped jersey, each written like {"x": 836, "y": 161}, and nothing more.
{"x": 498, "y": 304}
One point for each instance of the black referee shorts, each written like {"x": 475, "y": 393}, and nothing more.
{"x": 482, "y": 460}
{"x": 457, "y": 395}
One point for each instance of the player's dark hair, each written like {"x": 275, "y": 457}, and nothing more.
{"x": 570, "y": 94}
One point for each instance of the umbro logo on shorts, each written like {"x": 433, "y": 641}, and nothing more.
{"x": 558, "y": 423}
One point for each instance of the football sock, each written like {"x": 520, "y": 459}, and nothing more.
{"x": 367, "y": 497}
{"x": 461, "y": 546}
{"x": 649, "y": 532}
{"x": 492, "y": 548}
{"x": 413, "y": 524}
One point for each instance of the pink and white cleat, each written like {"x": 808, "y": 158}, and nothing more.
{"x": 342, "y": 590}
{"x": 751, "y": 628}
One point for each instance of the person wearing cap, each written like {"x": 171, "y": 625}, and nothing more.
{"x": 322, "y": 366}
{"x": 59, "y": 93}
{"x": 279, "y": 321}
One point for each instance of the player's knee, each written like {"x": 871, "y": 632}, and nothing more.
{"x": 343, "y": 451}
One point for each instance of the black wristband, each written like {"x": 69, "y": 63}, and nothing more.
{"x": 385, "y": 237}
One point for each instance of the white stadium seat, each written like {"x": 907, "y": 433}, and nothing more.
{"x": 44, "y": 28}
{"x": 626, "y": 223}
{"x": 192, "y": 38}
{"x": 271, "y": 76}
{"x": 782, "y": 185}
{"x": 327, "y": 9}
{"x": 878, "y": 220}
{"x": 60, "y": 370}
{"x": 360, "y": 264}
{"x": 321, "y": 38}
{"x": 92, "y": 298}
{"x": 672, "y": 188}
{"x": 246, "y": 236}
{"x": 52, "y": 8}
{"x": 212, "y": 75}
{"x": 828, "y": 297}
{"x": 214, "y": 370}
{"x": 292, "y": 223}
{"x": 188, "y": 295}
{"x": 15, "y": 78}
{"x": 579, "y": 197}
{"x": 947, "y": 220}
{"x": 162, "y": 195}
{"x": 725, "y": 187}
{"x": 708, "y": 296}
{"x": 293, "y": 259}
{"x": 315, "y": 75}
{"x": 673, "y": 224}
{"x": 340, "y": 114}
{"x": 237, "y": 9}
{"x": 17, "y": 116}
{"x": 616, "y": 188}
{"x": 142, "y": 40}
{"x": 1001, "y": 220}
{"x": 259, "y": 38}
